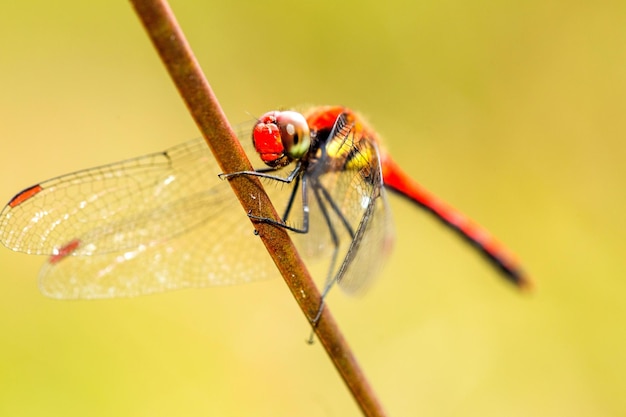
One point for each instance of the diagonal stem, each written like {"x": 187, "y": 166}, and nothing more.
{"x": 182, "y": 66}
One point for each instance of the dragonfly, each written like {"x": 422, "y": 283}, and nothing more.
{"x": 168, "y": 220}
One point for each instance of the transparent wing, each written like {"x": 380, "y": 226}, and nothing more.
{"x": 369, "y": 249}
{"x": 221, "y": 250}
{"x": 350, "y": 174}
{"x": 154, "y": 223}
{"x": 113, "y": 206}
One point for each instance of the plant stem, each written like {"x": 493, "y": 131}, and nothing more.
{"x": 172, "y": 47}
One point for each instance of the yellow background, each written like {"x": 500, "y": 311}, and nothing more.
{"x": 512, "y": 111}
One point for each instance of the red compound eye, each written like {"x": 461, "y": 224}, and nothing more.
{"x": 281, "y": 137}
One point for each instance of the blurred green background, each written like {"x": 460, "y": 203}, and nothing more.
{"x": 512, "y": 111}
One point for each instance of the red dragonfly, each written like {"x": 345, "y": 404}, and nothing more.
{"x": 167, "y": 221}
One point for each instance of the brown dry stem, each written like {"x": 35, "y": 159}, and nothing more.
{"x": 182, "y": 66}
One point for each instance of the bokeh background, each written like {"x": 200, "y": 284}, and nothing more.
{"x": 512, "y": 111}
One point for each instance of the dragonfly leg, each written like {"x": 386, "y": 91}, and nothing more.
{"x": 264, "y": 173}
{"x": 305, "y": 210}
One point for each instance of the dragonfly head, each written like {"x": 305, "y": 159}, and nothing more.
{"x": 281, "y": 137}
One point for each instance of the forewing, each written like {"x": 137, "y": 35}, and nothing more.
{"x": 116, "y": 206}
{"x": 351, "y": 175}
{"x": 369, "y": 249}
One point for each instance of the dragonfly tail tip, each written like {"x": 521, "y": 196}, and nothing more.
{"x": 521, "y": 281}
